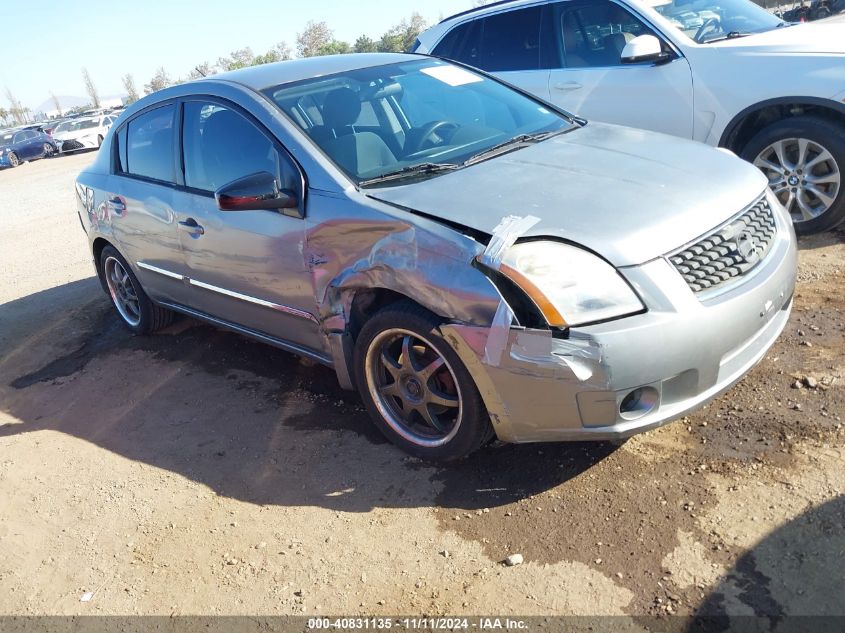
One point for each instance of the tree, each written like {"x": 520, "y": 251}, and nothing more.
{"x": 90, "y": 88}
{"x": 315, "y": 36}
{"x": 129, "y": 86}
{"x": 335, "y": 47}
{"x": 240, "y": 58}
{"x": 402, "y": 36}
{"x": 159, "y": 81}
{"x": 364, "y": 45}
{"x": 279, "y": 53}
{"x": 16, "y": 110}
{"x": 4, "y": 115}
{"x": 56, "y": 103}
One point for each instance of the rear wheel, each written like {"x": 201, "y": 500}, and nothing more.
{"x": 135, "y": 308}
{"x": 14, "y": 161}
{"x": 47, "y": 150}
{"x": 803, "y": 158}
{"x": 415, "y": 387}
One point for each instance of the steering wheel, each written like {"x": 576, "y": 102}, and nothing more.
{"x": 703, "y": 28}
{"x": 421, "y": 135}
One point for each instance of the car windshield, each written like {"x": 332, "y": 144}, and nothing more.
{"x": 73, "y": 126}
{"x": 710, "y": 20}
{"x": 413, "y": 118}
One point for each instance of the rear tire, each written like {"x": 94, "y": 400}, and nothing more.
{"x": 416, "y": 389}
{"x": 791, "y": 152}
{"x": 135, "y": 308}
{"x": 48, "y": 150}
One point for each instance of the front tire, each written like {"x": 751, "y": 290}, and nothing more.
{"x": 803, "y": 157}
{"x": 136, "y": 309}
{"x": 415, "y": 387}
{"x": 14, "y": 161}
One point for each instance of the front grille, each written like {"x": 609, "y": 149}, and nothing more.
{"x": 730, "y": 251}
{"x": 70, "y": 145}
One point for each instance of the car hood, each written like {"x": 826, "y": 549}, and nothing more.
{"x": 627, "y": 194}
{"x": 800, "y": 38}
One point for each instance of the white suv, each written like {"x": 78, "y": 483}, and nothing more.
{"x": 724, "y": 72}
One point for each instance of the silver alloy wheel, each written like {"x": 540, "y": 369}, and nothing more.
{"x": 48, "y": 150}
{"x": 802, "y": 174}
{"x": 413, "y": 387}
{"x": 14, "y": 161}
{"x": 122, "y": 291}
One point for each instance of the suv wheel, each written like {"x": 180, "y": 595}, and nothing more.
{"x": 135, "y": 308}
{"x": 415, "y": 387}
{"x": 803, "y": 158}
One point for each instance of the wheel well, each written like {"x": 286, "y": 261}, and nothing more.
{"x": 740, "y": 132}
{"x": 368, "y": 301}
{"x": 97, "y": 248}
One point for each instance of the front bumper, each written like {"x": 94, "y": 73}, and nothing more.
{"x": 76, "y": 144}
{"x": 687, "y": 349}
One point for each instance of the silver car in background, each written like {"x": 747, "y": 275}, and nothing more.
{"x": 474, "y": 261}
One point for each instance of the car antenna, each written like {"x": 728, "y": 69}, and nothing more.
{"x": 199, "y": 70}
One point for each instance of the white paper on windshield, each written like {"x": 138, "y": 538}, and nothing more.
{"x": 451, "y": 75}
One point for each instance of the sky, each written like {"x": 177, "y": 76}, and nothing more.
{"x": 47, "y": 43}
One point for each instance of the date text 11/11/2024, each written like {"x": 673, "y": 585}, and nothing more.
{"x": 422, "y": 623}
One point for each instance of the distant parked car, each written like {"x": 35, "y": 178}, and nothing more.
{"x": 18, "y": 146}
{"x": 84, "y": 133}
{"x": 724, "y": 72}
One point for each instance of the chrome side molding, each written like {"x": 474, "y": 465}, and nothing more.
{"x": 278, "y": 307}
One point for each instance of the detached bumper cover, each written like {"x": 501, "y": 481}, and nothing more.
{"x": 687, "y": 348}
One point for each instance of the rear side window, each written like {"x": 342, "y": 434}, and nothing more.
{"x": 502, "y": 42}
{"x": 148, "y": 148}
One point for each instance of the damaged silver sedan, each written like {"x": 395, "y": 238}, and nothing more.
{"x": 476, "y": 262}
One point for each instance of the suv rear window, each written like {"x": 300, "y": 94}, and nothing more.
{"x": 499, "y": 43}
{"x": 149, "y": 145}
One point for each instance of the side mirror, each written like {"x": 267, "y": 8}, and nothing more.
{"x": 254, "y": 192}
{"x": 644, "y": 48}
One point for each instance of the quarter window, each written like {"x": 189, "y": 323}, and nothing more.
{"x": 149, "y": 145}
{"x": 595, "y": 34}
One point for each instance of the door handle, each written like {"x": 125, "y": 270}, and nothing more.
{"x": 568, "y": 85}
{"x": 116, "y": 205}
{"x": 190, "y": 226}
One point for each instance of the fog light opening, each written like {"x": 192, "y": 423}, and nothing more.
{"x": 639, "y": 402}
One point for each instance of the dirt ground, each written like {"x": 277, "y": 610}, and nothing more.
{"x": 196, "y": 472}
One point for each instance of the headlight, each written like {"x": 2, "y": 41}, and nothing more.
{"x": 569, "y": 285}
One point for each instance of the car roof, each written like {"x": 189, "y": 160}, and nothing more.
{"x": 489, "y": 8}
{"x": 268, "y": 75}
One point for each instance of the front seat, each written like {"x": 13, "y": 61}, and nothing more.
{"x": 614, "y": 45}
{"x": 358, "y": 153}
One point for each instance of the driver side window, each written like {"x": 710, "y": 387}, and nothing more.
{"x": 221, "y": 145}
{"x": 595, "y": 34}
